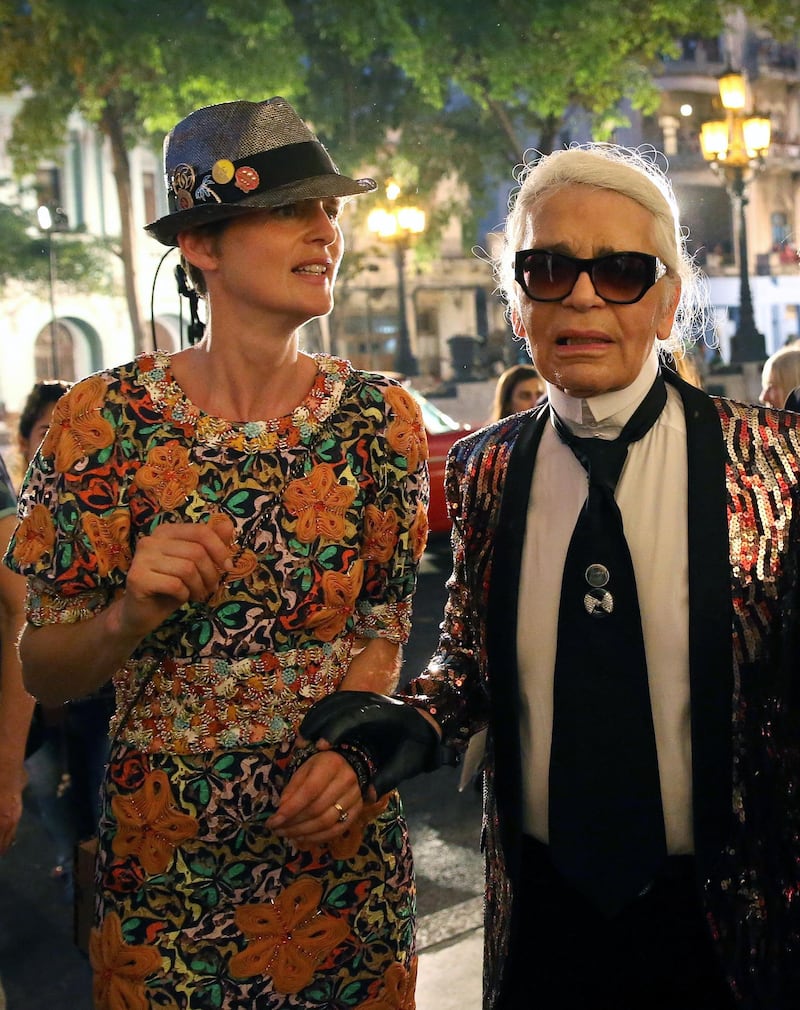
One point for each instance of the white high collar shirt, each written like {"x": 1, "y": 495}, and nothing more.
{"x": 652, "y": 497}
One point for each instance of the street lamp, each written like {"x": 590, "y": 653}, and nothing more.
{"x": 50, "y": 221}
{"x": 398, "y": 225}
{"x": 735, "y": 148}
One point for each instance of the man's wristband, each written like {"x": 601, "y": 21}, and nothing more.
{"x": 360, "y": 760}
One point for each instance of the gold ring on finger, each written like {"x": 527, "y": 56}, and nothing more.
{"x": 343, "y": 814}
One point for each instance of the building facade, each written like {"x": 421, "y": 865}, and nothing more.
{"x": 690, "y": 97}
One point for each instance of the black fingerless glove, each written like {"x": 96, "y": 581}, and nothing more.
{"x": 391, "y": 739}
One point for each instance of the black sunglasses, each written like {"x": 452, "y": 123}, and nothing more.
{"x": 621, "y": 278}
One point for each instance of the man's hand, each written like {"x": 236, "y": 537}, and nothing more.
{"x": 401, "y": 741}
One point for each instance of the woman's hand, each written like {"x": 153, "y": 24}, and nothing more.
{"x": 176, "y": 564}
{"x": 319, "y": 801}
{"x": 324, "y": 794}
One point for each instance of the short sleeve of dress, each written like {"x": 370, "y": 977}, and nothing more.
{"x": 73, "y": 538}
{"x": 395, "y": 519}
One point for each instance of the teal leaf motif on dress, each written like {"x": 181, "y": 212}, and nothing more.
{"x": 350, "y": 993}
{"x": 207, "y": 896}
{"x": 67, "y": 517}
{"x": 327, "y": 557}
{"x": 202, "y": 965}
{"x": 237, "y": 503}
{"x": 223, "y": 766}
{"x": 132, "y": 925}
{"x": 204, "y": 632}
{"x": 209, "y": 493}
{"x": 322, "y": 995}
{"x": 64, "y": 554}
{"x": 203, "y": 793}
{"x": 214, "y": 994}
{"x": 230, "y": 615}
{"x": 339, "y": 897}
{"x": 328, "y": 450}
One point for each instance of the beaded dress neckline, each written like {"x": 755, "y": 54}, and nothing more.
{"x": 301, "y": 424}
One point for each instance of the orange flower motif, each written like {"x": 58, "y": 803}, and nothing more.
{"x": 346, "y": 845}
{"x": 150, "y": 825}
{"x": 320, "y": 503}
{"x": 35, "y": 537}
{"x": 244, "y": 564}
{"x": 119, "y": 968}
{"x": 110, "y": 540}
{"x": 419, "y": 532}
{"x": 77, "y": 426}
{"x": 289, "y": 936}
{"x": 399, "y": 987}
{"x": 168, "y": 475}
{"x": 380, "y": 534}
{"x": 406, "y": 431}
{"x": 339, "y": 593}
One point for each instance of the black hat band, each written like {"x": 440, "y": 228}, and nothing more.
{"x": 228, "y": 182}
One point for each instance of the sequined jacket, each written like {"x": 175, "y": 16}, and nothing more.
{"x": 744, "y": 625}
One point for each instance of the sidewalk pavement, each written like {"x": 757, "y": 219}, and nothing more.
{"x": 450, "y": 943}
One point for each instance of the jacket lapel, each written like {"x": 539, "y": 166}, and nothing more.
{"x": 501, "y": 628}
{"x": 710, "y": 621}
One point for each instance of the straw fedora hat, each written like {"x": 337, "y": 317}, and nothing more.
{"x": 230, "y": 159}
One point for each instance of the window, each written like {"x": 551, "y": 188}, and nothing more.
{"x": 781, "y": 233}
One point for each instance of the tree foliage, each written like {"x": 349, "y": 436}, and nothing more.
{"x": 466, "y": 91}
{"x": 422, "y": 89}
{"x": 132, "y": 67}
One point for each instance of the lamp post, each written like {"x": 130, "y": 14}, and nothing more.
{"x": 398, "y": 225}
{"x": 50, "y": 220}
{"x": 735, "y": 148}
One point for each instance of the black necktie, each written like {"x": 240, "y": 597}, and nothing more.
{"x": 606, "y": 823}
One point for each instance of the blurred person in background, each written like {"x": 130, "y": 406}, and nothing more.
{"x": 520, "y": 387}
{"x": 16, "y": 705}
{"x": 68, "y": 749}
{"x": 780, "y": 375}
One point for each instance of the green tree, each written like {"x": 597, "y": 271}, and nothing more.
{"x": 429, "y": 88}
{"x": 419, "y": 89}
{"x": 133, "y": 67}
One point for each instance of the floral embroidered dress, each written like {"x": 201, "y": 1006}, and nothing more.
{"x": 199, "y": 905}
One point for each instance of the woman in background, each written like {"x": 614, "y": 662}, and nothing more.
{"x": 780, "y": 375}
{"x": 65, "y": 770}
{"x": 520, "y": 387}
{"x": 16, "y": 705}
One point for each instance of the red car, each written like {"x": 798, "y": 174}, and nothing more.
{"x": 442, "y": 431}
